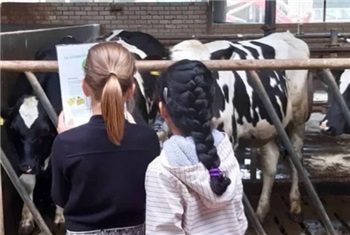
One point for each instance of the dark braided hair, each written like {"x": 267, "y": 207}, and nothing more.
{"x": 187, "y": 89}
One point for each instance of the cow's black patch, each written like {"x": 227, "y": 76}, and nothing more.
{"x": 219, "y": 101}
{"x": 273, "y": 92}
{"x": 223, "y": 54}
{"x": 267, "y": 50}
{"x": 225, "y": 89}
{"x": 243, "y": 104}
{"x": 241, "y": 100}
{"x": 242, "y": 54}
{"x": 144, "y": 42}
{"x": 252, "y": 51}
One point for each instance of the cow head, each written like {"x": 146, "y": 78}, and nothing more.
{"x": 31, "y": 133}
{"x": 334, "y": 122}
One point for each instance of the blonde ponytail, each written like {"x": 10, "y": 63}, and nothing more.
{"x": 112, "y": 107}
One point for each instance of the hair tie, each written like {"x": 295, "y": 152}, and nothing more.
{"x": 214, "y": 172}
{"x": 112, "y": 73}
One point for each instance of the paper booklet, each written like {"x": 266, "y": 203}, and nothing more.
{"x": 71, "y": 60}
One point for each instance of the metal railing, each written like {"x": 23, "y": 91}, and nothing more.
{"x": 250, "y": 65}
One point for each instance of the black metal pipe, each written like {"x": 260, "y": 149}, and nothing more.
{"x": 24, "y": 195}
{"x": 270, "y": 17}
{"x": 333, "y": 87}
{"x": 259, "y": 88}
{"x": 324, "y": 10}
{"x": 219, "y": 11}
{"x": 252, "y": 216}
{"x": 42, "y": 97}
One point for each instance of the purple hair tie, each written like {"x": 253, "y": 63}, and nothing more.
{"x": 214, "y": 172}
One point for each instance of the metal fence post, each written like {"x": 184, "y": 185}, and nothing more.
{"x": 24, "y": 195}
{"x": 2, "y": 222}
{"x": 251, "y": 215}
{"x": 259, "y": 88}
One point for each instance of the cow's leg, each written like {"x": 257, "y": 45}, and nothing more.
{"x": 27, "y": 225}
{"x": 296, "y": 135}
{"x": 269, "y": 160}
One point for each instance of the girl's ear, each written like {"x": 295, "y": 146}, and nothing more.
{"x": 86, "y": 89}
{"x": 130, "y": 92}
{"x": 163, "y": 111}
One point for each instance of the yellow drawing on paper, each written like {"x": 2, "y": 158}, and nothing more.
{"x": 71, "y": 101}
{"x": 80, "y": 100}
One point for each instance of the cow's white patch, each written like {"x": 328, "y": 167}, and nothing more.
{"x": 46, "y": 163}
{"x": 217, "y": 45}
{"x": 114, "y": 34}
{"x": 278, "y": 100}
{"x": 29, "y": 111}
{"x": 273, "y": 82}
{"x": 132, "y": 48}
{"x": 142, "y": 88}
{"x": 324, "y": 125}
{"x": 344, "y": 81}
{"x": 191, "y": 50}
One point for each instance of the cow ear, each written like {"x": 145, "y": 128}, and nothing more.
{"x": 6, "y": 114}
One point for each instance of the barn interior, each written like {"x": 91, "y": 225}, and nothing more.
{"x": 27, "y": 26}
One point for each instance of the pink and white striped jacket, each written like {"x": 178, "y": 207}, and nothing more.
{"x": 180, "y": 200}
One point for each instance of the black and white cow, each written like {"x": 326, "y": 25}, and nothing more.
{"x": 30, "y": 130}
{"x": 145, "y": 42}
{"x": 239, "y": 110}
{"x": 334, "y": 122}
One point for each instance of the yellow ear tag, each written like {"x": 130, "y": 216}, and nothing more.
{"x": 155, "y": 73}
{"x": 1, "y": 121}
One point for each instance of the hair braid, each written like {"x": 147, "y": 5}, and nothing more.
{"x": 189, "y": 102}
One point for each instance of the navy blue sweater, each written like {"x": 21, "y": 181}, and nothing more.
{"x": 99, "y": 184}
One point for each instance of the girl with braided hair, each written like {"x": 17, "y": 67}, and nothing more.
{"x": 194, "y": 186}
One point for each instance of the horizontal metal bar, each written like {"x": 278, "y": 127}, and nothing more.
{"x": 259, "y": 88}
{"x": 23, "y": 193}
{"x": 159, "y": 65}
{"x": 42, "y": 97}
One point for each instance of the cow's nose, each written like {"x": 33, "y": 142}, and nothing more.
{"x": 27, "y": 169}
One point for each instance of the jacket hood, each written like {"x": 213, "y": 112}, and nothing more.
{"x": 180, "y": 159}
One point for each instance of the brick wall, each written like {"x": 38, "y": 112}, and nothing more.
{"x": 154, "y": 18}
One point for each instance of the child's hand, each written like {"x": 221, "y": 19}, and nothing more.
{"x": 61, "y": 126}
